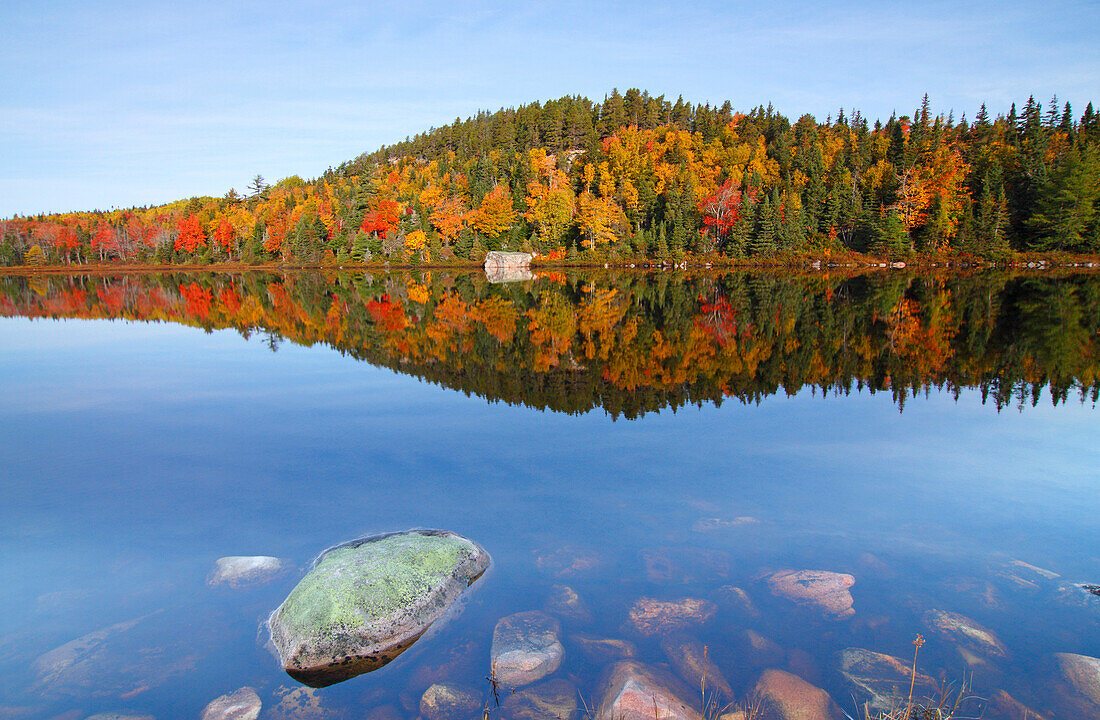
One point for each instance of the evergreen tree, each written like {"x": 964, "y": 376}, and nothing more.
{"x": 662, "y": 242}
{"x": 737, "y": 242}
{"x": 895, "y": 237}
{"x": 1066, "y": 124}
{"x": 981, "y": 120}
{"x": 1066, "y": 212}
{"x": 1089, "y": 129}
{"x": 792, "y": 225}
{"x": 765, "y": 237}
{"x": 895, "y": 154}
{"x": 360, "y": 249}
{"x": 1052, "y": 117}
{"x": 464, "y": 244}
{"x": 612, "y": 113}
{"x": 374, "y": 246}
{"x": 477, "y": 250}
{"x": 936, "y": 231}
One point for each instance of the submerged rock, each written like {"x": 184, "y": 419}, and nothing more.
{"x": 445, "y": 663}
{"x": 1041, "y": 572}
{"x": 974, "y": 588}
{"x": 784, "y": 696}
{"x": 655, "y": 617}
{"x": 384, "y": 712}
{"x": 736, "y": 599}
{"x": 122, "y": 660}
{"x": 67, "y": 715}
{"x": 692, "y": 662}
{"x": 635, "y": 692}
{"x": 968, "y": 633}
{"x": 737, "y": 714}
{"x": 872, "y": 564}
{"x": 445, "y": 701}
{"x": 685, "y": 565}
{"x": 240, "y": 570}
{"x": 882, "y": 681}
{"x": 828, "y": 591}
{"x": 567, "y": 561}
{"x": 526, "y": 648}
{"x": 713, "y": 524}
{"x": 300, "y": 703}
{"x": 244, "y": 704}
{"x": 603, "y": 650}
{"x": 762, "y": 651}
{"x": 565, "y": 601}
{"x": 1082, "y": 673}
{"x": 551, "y": 700}
{"x": 367, "y": 601}
{"x": 1024, "y": 576}
{"x": 1003, "y": 706}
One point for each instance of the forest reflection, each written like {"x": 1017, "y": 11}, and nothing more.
{"x": 632, "y": 343}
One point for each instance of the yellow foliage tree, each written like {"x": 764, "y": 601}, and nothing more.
{"x": 495, "y": 214}
{"x": 35, "y": 256}
{"x": 599, "y": 219}
{"x": 549, "y": 197}
{"x": 415, "y": 241}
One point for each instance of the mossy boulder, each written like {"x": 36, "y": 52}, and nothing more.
{"x": 365, "y": 602}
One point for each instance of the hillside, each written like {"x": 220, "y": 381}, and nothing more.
{"x": 636, "y": 177}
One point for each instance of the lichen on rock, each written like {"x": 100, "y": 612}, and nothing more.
{"x": 365, "y": 602}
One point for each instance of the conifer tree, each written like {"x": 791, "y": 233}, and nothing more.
{"x": 764, "y": 240}
{"x": 1066, "y": 212}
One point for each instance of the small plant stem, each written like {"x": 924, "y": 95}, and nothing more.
{"x": 913, "y": 676}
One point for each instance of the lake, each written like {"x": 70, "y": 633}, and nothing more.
{"x": 618, "y": 443}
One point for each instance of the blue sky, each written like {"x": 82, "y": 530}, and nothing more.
{"x": 114, "y": 104}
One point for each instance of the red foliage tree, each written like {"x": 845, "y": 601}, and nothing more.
{"x": 722, "y": 209}
{"x": 383, "y": 219}
{"x": 140, "y": 232}
{"x": 104, "y": 240}
{"x": 67, "y": 241}
{"x": 189, "y": 235}
{"x": 224, "y": 235}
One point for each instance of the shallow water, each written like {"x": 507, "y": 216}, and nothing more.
{"x": 678, "y": 436}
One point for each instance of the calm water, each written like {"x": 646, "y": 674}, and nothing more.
{"x": 679, "y": 436}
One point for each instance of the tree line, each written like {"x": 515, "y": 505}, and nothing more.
{"x": 637, "y": 177}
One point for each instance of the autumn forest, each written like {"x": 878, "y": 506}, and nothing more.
{"x": 636, "y": 178}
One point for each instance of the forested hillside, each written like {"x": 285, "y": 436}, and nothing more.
{"x": 637, "y": 177}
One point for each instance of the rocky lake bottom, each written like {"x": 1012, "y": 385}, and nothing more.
{"x": 164, "y": 489}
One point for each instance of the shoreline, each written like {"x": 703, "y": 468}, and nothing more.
{"x": 799, "y": 264}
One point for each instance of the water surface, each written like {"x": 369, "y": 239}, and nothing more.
{"x": 680, "y": 435}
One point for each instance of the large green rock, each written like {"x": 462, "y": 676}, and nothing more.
{"x": 367, "y": 601}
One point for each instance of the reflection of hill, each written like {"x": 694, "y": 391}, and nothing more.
{"x": 633, "y": 343}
